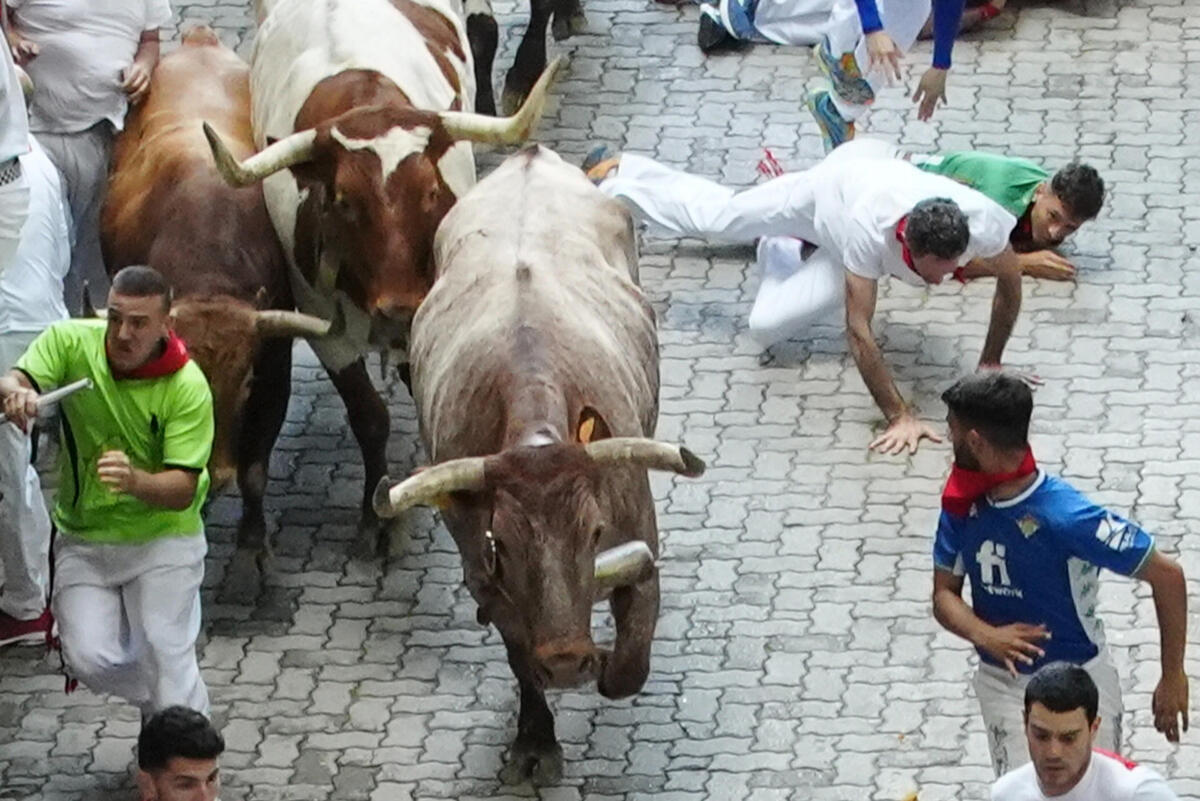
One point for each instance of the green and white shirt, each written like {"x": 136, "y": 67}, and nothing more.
{"x": 159, "y": 423}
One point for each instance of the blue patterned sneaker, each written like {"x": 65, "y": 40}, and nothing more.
{"x": 834, "y": 129}
{"x": 844, "y": 75}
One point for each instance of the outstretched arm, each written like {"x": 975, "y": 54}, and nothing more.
{"x": 1036, "y": 264}
{"x": 904, "y": 430}
{"x": 1006, "y": 305}
{"x": 1170, "y": 701}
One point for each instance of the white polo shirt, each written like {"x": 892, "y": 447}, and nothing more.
{"x": 1108, "y": 778}
{"x": 85, "y": 45}
{"x": 14, "y": 123}
{"x": 31, "y": 287}
{"x": 859, "y": 203}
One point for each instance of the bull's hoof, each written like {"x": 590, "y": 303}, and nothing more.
{"x": 511, "y": 100}
{"x": 541, "y": 765}
{"x": 366, "y": 543}
{"x": 566, "y": 27}
{"x": 244, "y": 577}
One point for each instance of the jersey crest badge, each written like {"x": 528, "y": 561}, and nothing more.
{"x": 1028, "y": 525}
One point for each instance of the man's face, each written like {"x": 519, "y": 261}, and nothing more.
{"x": 1050, "y": 220}
{"x": 961, "y": 439}
{"x": 182, "y": 779}
{"x": 934, "y": 269}
{"x": 1060, "y": 745}
{"x": 136, "y": 326}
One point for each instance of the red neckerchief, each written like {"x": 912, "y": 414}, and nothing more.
{"x": 1128, "y": 763}
{"x": 965, "y": 487}
{"x": 905, "y": 253}
{"x": 172, "y": 360}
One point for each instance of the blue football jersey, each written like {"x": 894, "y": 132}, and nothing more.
{"x": 1036, "y": 559}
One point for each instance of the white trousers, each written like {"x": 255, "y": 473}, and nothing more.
{"x": 24, "y": 521}
{"x": 902, "y": 21}
{"x": 83, "y": 160}
{"x": 1002, "y": 702}
{"x": 675, "y": 203}
{"x": 128, "y": 617}
{"x": 793, "y": 22}
{"x": 14, "y": 209}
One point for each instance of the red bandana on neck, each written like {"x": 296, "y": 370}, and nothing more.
{"x": 965, "y": 487}
{"x": 905, "y": 253}
{"x": 172, "y": 360}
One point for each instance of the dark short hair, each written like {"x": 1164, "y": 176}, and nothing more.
{"x": 996, "y": 404}
{"x": 1063, "y": 687}
{"x": 139, "y": 281}
{"x": 937, "y": 226}
{"x": 1080, "y": 188}
{"x": 177, "y": 731}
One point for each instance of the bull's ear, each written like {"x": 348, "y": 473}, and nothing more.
{"x": 591, "y": 427}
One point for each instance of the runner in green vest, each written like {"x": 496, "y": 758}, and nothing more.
{"x": 129, "y": 553}
{"x": 1048, "y": 209}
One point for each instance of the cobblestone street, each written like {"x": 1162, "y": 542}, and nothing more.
{"x": 796, "y": 655}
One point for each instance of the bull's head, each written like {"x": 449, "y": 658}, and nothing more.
{"x": 223, "y": 335}
{"x": 376, "y": 193}
{"x": 546, "y": 548}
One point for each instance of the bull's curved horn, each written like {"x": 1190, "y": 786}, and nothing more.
{"x": 648, "y": 453}
{"x": 289, "y": 151}
{"x": 281, "y": 323}
{"x": 456, "y": 475}
{"x": 504, "y": 130}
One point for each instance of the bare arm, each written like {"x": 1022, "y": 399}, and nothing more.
{"x": 172, "y": 488}
{"x": 1009, "y": 645}
{"x": 136, "y": 81}
{"x": 1170, "y": 701}
{"x": 861, "y": 296}
{"x": 904, "y": 430}
{"x": 1035, "y": 264}
{"x": 1006, "y": 305}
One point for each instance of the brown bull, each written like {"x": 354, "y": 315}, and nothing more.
{"x": 535, "y": 373}
{"x": 361, "y": 110}
{"x": 167, "y": 207}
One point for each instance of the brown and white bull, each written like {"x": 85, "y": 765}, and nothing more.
{"x": 535, "y": 374}
{"x": 169, "y": 208}
{"x": 359, "y": 108}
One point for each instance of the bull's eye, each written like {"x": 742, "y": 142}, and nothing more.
{"x": 597, "y": 533}
{"x": 491, "y": 556}
{"x": 342, "y": 207}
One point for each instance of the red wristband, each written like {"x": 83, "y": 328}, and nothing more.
{"x": 987, "y": 11}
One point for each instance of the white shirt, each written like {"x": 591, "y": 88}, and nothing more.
{"x": 14, "y": 123}
{"x": 1108, "y": 778}
{"x": 85, "y": 47}
{"x": 31, "y": 288}
{"x": 860, "y": 201}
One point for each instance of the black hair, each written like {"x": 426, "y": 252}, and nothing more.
{"x": 1080, "y": 188}
{"x": 937, "y": 226}
{"x": 996, "y": 404}
{"x": 1063, "y": 687}
{"x": 139, "y": 281}
{"x": 177, "y": 731}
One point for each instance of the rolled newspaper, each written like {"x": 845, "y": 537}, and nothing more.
{"x": 54, "y": 396}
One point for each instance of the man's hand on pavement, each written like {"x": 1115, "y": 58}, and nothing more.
{"x": 1169, "y": 704}
{"x": 904, "y": 433}
{"x": 883, "y": 55}
{"x": 20, "y": 407}
{"x": 930, "y": 91}
{"x": 115, "y": 470}
{"x": 136, "y": 82}
{"x": 1047, "y": 264}
{"x": 1015, "y": 643}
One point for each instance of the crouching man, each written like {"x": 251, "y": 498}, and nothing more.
{"x": 129, "y": 557}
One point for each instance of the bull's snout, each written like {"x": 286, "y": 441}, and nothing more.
{"x": 566, "y": 663}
